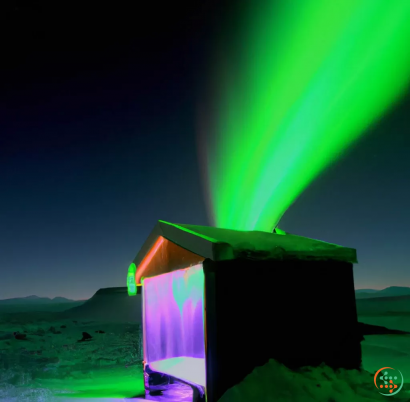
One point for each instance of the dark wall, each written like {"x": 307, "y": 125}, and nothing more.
{"x": 297, "y": 312}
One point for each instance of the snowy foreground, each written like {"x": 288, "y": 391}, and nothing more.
{"x": 50, "y": 365}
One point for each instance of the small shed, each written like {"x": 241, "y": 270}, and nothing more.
{"x": 217, "y": 303}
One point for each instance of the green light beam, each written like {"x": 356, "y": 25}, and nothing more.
{"x": 312, "y": 76}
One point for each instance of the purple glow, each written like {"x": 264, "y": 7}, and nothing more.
{"x": 190, "y": 369}
{"x": 174, "y": 322}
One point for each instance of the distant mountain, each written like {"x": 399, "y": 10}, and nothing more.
{"x": 62, "y": 300}
{"x": 109, "y": 305}
{"x": 366, "y": 290}
{"x": 392, "y": 291}
{"x": 35, "y": 300}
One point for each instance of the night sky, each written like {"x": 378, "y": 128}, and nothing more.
{"x": 98, "y": 120}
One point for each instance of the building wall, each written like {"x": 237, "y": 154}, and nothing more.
{"x": 297, "y": 312}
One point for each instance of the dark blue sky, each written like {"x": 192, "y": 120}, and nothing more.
{"x": 98, "y": 142}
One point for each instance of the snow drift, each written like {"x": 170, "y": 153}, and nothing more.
{"x": 275, "y": 382}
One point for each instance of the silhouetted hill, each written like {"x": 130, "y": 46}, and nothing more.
{"x": 385, "y": 300}
{"x": 392, "y": 291}
{"x": 109, "y": 305}
{"x": 384, "y": 306}
{"x": 367, "y": 329}
{"x": 35, "y": 300}
{"x": 366, "y": 290}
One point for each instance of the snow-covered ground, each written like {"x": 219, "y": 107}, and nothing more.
{"x": 387, "y": 350}
{"x": 51, "y": 363}
{"x": 52, "y": 366}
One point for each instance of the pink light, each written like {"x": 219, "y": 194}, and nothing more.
{"x": 147, "y": 259}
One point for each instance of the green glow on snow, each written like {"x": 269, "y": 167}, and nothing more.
{"x": 115, "y": 382}
{"x": 310, "y": 77}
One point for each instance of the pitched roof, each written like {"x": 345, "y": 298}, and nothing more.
{"x": 225, "y": 244}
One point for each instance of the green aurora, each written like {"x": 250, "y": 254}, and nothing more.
{"x": 306, "y": 80}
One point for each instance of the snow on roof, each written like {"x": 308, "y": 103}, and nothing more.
{"x": 224, "y": 244}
